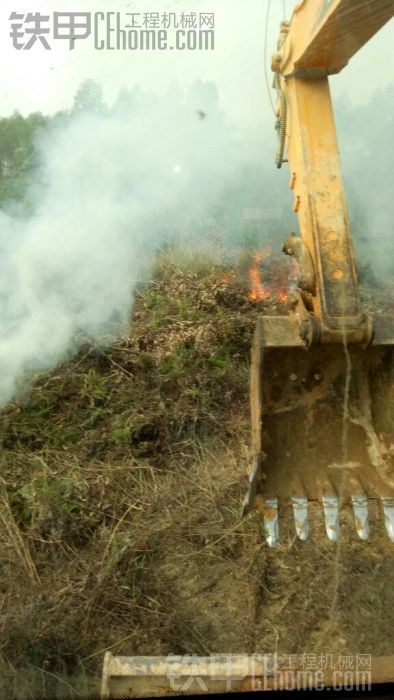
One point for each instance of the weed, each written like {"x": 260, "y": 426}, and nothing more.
{"x": 94, "y": 388}
{"x": 120, "y": 432}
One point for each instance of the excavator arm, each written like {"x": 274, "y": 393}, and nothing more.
{"x": 323, "y": 35}
{"x": 316, "y": 452}
{"x": 319, "y": 41}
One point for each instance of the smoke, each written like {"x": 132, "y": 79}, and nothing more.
{"x": 365, "y": 135}
{"x": 112, "y": 186}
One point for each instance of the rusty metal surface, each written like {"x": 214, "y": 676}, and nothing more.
{"x": 302, "y": 423}
{"x": 281, "y": 331}
{"x": 326, "y": 417}
{"x": 303, "y": 448}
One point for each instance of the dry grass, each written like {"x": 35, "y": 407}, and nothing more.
{"x": 123, "y": 473}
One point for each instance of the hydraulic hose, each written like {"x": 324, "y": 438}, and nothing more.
{"x": 281, "y": 121}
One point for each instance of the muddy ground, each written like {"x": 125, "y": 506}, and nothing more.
{"x": 123, "y": 472}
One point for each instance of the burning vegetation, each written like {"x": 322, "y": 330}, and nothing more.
{"x": 123, "y": 474}
{"x": 272, "y": 278}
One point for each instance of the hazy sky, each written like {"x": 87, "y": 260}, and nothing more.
{"x": 47, "y": 80}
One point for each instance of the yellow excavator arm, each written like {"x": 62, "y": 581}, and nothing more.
{"x": 325, "y": 434}
{"x": 323, "y": 35}
{"x": 320, "y": 39}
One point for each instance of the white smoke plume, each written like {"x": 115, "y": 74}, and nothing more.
{"x": 110, "y": 188}
{"x": 107, "y": 182}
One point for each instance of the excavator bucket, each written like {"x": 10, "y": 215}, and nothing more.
{"x": 322, "y": 377}
{"x": 322, "y": 430}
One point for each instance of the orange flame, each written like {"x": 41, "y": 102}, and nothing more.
{"x": 257, "y": 290}
{"x": 277, "y": 287}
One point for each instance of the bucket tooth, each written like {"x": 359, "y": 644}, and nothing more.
{"x": 300, "y": 509}
{"x": 331, "y": 517}
{"x": 388, "y": 510}
{"x": 253, "y": 481}
{"x": 271, "y": 521}
{"x": 360, "y": 509}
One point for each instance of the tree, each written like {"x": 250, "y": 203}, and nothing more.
{"x": 89, "y": 98}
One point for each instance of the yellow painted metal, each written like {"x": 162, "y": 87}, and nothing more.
{"x": 299, "y": 398}
{"x": 325, "y": 34}
{"x": 320, "y": 39}
{"x": 319, "y": 199}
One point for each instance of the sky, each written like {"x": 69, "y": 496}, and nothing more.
{"x": 47, "y": 80}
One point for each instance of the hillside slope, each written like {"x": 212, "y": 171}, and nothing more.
{"x": 123, "y": 471}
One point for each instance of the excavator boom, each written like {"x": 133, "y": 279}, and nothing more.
{"x": 325, "y": 34}
{"x": 321, "y": 377}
